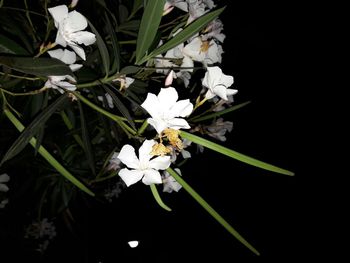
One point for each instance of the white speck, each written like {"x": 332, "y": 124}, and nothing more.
{"x": 133, "y": 243}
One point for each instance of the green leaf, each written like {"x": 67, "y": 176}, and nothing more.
{"x": 121, "y": 107}
{"x": 86, "y": 140}
{"x": 137, "y": 5}
{"x": 211, "y": 210}
{"x": 48, "y": 157}
{"x": 102, "y": 48}
{"x": 132, "y": 25}
{"x": 233, "y": 154}
{"x": 185, "y": 34}
{"x": 115, "y": 46}
{"x": 158, "y": 198}
{"x": 36, "y": 66}
{"x": 129, "y": 70}
{"x": 219, "y": 113}
{"x": 33, "y": 128}
{"x": 149, "y": 26}
{"x": 9, "y": 46}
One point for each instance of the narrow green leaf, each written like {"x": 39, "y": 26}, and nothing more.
{"x": 219, "y": 113}
{"x": 149, "y": 26}
{"x": 86, "y": 140}
{"x": 137, "y": 5}
{"x": 233, "y": 154}
{"x": 211, "y": 210}
{"x": 40, "y": 134}
{"x": 129, "y": 70}
{"x": 158, "y": 198}
{"x": 132, "y": 25}
{"x": 115, "y": 46}
{"x": 121, "y": 107}
{"x": 102, "y": 48}
{"x": 36, "y": 66}
{"x": 48, "y": 157}
{"x": 9, "y": 46}
{"x": 185, "y": 34}
{"x": 33, "y": 128}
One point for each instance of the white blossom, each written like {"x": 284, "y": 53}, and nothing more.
{"x": 217, "y": 83}
{"x": 219, "y": 128}
{"x": 213, "y": 30}
{"x": 114, "y": 162}
{"x": 205, "y": 51}
{"x": 60, "y": 83}
{"x": 164, "y": 110}
{"x": 4, "y": 178}
{"x": 169, "y": 182}
{"x": 143, "y": 167}
{"x": 70, "y": 26}
{"x": 66, "y": 56}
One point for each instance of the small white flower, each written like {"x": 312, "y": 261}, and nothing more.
{"x": 59, "y": 83}
{"x": 207, "y": 52}
{"x": 143, "y": 167}
{"x": 169, "y": 182}
{"x": 217, "y": 83}
{"x": 213, "y": 30}
{"x": 164, "y": 109}
{"x": 219, "y": 128}
{"x": 114, "y": 162}
{"x": 4, "y": 178}
{"x": 66, "y": 56}
{"x": 70, "y": 26}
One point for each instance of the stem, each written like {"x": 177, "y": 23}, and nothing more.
{"x": 47, "y": 156}
{"x": 19, "y": 77}
{"x": 22, "y": 10}
{"x": 143, "y": 127}
{"x": 34, "y": 92}
{"x": 97, "y": 82}
{"x": 70, "y": 127}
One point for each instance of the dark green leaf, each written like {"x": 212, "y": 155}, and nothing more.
{"x": 123, "y": 13}
{"x": 33, "y": 128}
{"x": 137, "y": 5}
{"x": 86, "y": 140}
{"x": 132, "y": 25}
{"x": 115, "y": 46}
{"x": 185, "y": 34}
{"x": 41, "y": 131}
{"x": 233, "y": 154}
{"x": 121, "y": 107}
{"x": 8, "y": 46}
{"x": 36, "y": 66}
{"x": 149, "y": 26}
{"x": 129, "y": 70}
{"x": 102, "y": 48}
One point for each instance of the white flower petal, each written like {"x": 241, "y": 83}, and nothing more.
{"x": 185, "y": 154}
{"x": 75, "y": 67}
{"x": 182, "y": 108}
{"x": 152, "y": 105}
{"x": 3, "y": 188}
{"x": 75, "y": 22}
{"x": 145, "y": 150}
{"x": 128, "y": 156}
{"x": 178, "y": 123}
{"x": 58, "y": 13}
{"x": 83, "y": 37}
{"x": 4, "y": 178}
{"x": 65, "y": 56}
{"x": 60, "y": 40}
{"x": 160, "y": 163}
{"x": 220, "y": 91}
{"x": 226, "y": 80}
{"x": 151, "y": 177}
{"x": 230, "y": 92}
{"x": 80, "y": 52}
{"x": 130, "y": 176}
{"x": 167, "y": 97}
{"x": 157, "y": 124}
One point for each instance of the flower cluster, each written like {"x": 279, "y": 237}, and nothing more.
{"x": 86, "y": 88}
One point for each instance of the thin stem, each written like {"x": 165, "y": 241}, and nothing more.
{"x": 143, "y": 127}
{"x": 19, "y": 77}
{"x": 34, "y": 92}
{"x": 22, "y": 10}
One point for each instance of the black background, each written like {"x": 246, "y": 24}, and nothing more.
{"x": 262, "y": 206}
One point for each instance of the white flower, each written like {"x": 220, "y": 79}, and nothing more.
{"x": 213, "y": 30}
{"x": 70, "y": 26}
{"x": 164, "y": 109}
{"x": 217, "y": 83}
{"x": 66, "y": 56}
{"x": 59, "y": 83}
{"x": 3, "y": 203}
{"x": 114, "y": 162}
{"x": 143, "y": 167}
{"x": 219, "y": 128}
{"x": 73, "y": 3}
{"x": 169, "y": 182}
{"x": 4, "y": 178}
{"x": 207, "y": 52}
